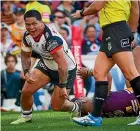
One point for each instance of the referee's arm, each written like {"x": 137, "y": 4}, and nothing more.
{"x": 94, "y": 8}
{"x": 134, "y": 16}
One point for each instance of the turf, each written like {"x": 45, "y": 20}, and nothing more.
{"x": 58, "y": 121}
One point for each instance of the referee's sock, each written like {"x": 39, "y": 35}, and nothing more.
{"x": 135, "y": 84}
{"x": 101, "y": 91}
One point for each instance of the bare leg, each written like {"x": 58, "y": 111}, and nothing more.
{"x": 28, "y": 89}
{"x": 59, "y": 104}
{"x": 102, "y": 66}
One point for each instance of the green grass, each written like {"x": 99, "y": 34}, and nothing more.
{"x": 58, "y": 121}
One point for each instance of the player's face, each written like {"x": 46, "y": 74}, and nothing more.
{"x": 33, "y": 26}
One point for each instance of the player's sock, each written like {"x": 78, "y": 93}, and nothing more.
{"x": 101, "y": 91}
{"x": 135, "y": 84}
{"x": 75, "y": 107}
{"x": 26, "y": 113}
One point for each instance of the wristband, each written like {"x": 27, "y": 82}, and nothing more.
{"x": 62, "y": 85}
{"x": 26, "y": 71}
{"x": 89, "y": 72}
{"x": 81, "y": 12}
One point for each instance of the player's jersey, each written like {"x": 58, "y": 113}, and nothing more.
{"x": 124, "y": 100}
{"x": 114, "y": 11}
{"x": 43, "y": 9}
{"x": 50, "y": 41}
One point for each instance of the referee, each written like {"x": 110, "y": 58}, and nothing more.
{"x": 119, "y": 20}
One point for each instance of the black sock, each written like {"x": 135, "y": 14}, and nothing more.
{"x": 135, "y": 84}
{"x": 101, "y": 91}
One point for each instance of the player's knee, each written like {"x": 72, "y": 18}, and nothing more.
{"x": 55, "y": 107}
{"x": 99, "y": 76}
{"x": 26, "y": 92}
{"x": 129, "y": 75}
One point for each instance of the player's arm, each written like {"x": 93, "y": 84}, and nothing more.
{"x": 26, "y": 61}
{"x": 25, "y": 55}
{"x": 84, "y": 72}
{"x": 59, "y": 57}
{"x": 92, "y": 9}
{"x": 55, "y": 47}
{"x": 134, "y": 16}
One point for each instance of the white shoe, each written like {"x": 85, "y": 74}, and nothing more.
{"x": 137, "y": 122}
{"x": 88, "y": 120}
{"x": 12, "y": 108}
{"x": 16, "y": 109}
{"x": 22, "y": 120}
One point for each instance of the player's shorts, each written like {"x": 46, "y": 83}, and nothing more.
{"x": 35, "y": 55}
{"x": 117, "y": 37}
{"x": 54, "y": 76}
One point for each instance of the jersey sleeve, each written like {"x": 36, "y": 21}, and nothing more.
{"x": 54, "y": 44}
{"x": 26, "y": 43}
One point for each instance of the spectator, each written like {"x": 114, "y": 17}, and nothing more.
{"x": 6, "y": 43}
{"x": 90, "y": 44}
{"x": 41, "y": 6}
{"x": 67, "y": 7}
{"x": 6, "y": 14}
{"x": 93, "y": 20}
{"x": 54, "y": 5}
{"x": 89, "y": 20}
{"x": 64, "y": 32}
{"x": 60, "y": 20}
{"x": 18, "y": 28}
{"x": 10, "y": 78}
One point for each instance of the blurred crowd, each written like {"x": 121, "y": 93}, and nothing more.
{"x": 12, "y": 31}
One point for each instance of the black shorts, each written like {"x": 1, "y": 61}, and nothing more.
{"x": 54, "y": 76}
{"x": 117, "y": 37}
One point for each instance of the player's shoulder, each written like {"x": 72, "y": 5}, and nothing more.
{"x": 26, "y": 38}
{"x": 26, "y": 33}
{"x": 50, "y": 30}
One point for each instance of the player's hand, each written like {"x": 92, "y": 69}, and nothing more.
{"x": 28, "y": 78}
{"x": 83, "y": 72}
{"x": 22, "y": 75}
{"x": 76, "y": 14}
{"x": 63, "y": 93}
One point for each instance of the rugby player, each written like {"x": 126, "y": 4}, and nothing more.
{"x": 56, "y": 65}
{"x": 116, "y": 49}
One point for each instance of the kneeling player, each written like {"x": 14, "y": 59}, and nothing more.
{"x": 56, "y": 65}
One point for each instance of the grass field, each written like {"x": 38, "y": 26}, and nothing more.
{"x": 58, "y": 121}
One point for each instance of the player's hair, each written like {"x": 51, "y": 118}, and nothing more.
{"x": 33, "y": 13}
{"x": 8, "y": 56}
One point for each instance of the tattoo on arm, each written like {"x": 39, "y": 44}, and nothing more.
{"x": 62, "y": 66}
{"x": 63, "y": 74}
{"x": 26, "y": 59}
